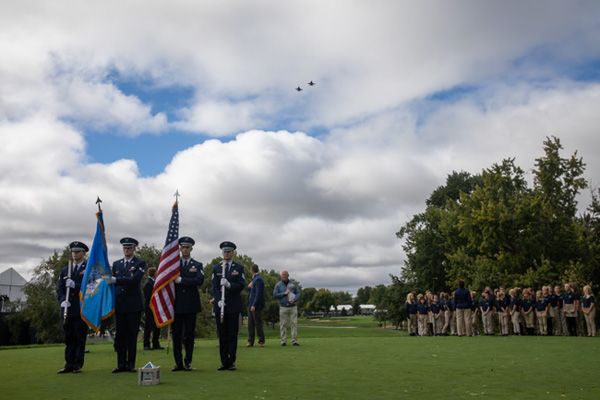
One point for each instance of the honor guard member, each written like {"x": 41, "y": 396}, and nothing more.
{"x": 150, "y": 328}
{"x": 74, "y": 327}
{"x": 229, "y": 276}
{"x": 127, "y": 276}
{"x": 187, "y": 305}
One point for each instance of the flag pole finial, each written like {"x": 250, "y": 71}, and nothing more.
{"x": 98, "y": 201}
{"x": 177, "y": 196}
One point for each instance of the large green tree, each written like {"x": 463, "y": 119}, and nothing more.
{"x": 496, "y": 229}
{"x": 42, "y": 308}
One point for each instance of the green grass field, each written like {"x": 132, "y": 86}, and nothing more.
{"x": 344, "y": 358}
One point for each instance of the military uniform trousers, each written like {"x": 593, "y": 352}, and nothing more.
{"x": 128, "y": 325}
{"x": 183, "y": 330}
{"x": 75, "y": 330}
{"x": 228, "y": 334}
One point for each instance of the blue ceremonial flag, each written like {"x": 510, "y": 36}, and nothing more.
{"x": 97, "y": 298}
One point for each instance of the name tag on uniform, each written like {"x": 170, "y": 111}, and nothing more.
{"x": 132, "y": 269}
{"x": 193, "y": 269}
{"x": 234, "y": 273}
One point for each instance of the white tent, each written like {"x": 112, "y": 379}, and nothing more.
{"x": 11, "y": 288}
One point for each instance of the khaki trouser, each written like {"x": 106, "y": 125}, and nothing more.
{"x": 412, "y": 323}
{"x": 438, "y": 323}
{"x": 463, "y": 321}
{"x": 542, "y": 322}
{"x": 453, "y": 322}
{"x": 590, "y": 322}
{"x": 515, "y": 318}
{"x": 447, "y": 322}
{"x": 488, "y": 324}
{"x": 288, "y": 316}
{"x": 503, "y": 317}
{"x": 563, "y": 323}
{"x": 529, "y": 320}
{"x": 423, "y": 320}
{"x": 474, "y": 323}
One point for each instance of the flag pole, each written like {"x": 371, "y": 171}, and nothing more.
{"x": 169, "y": 327}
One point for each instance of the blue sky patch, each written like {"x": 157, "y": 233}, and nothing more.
{"x": 151, "y": 152}
{"x": 166, "y": 99}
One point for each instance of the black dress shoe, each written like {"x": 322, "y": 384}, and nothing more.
{"x": 65, "y": 370}
{"x": 296, "y": 344}
{"x": 131, "y": 370}
{"x": 187, "y": 367}
{"x": 177, "y": 368}
{"x": 77, "y": 370}
{"x": 232, "y": 367}
{"x": 222, "y": 368}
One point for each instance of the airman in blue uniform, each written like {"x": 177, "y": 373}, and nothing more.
{"x": 74, "y": 327}
{"x": 187, "y": 305}
{"x": 127, "y": 277}
{"x": 228, "y": 276}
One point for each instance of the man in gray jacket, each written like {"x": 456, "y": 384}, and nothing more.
{"x": 287, "y": 294}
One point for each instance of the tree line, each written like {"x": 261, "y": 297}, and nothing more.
{"x": 506, "y": 227}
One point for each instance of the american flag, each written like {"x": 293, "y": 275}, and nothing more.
{"x": 162, "y": 302}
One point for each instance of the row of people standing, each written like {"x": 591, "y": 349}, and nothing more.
{"x": 548, "y": 311}
{"x": 227, "y": 283}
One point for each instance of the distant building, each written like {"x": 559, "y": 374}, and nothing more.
{"x": 367, "y": 309}
{"x": 342, "y": 309}
{"x": 12, "y": 286}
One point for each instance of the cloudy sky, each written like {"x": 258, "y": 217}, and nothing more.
{"x": 132, "y": 100}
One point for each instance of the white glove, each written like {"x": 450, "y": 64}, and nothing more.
{"x": 225, "y": 282}
{"x": 220, "y": 304}
{"x": 70, "y": 283}
{"x": 178, "y": 279}
{"x": 110, "y": 280}
{"x": 65, "y": 304}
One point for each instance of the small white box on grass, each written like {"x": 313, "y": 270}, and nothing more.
{"x": 149, "y": 374}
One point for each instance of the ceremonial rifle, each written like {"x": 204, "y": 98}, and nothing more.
{"x": 69, "y": 272}
{"x": 224, "y": 263}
